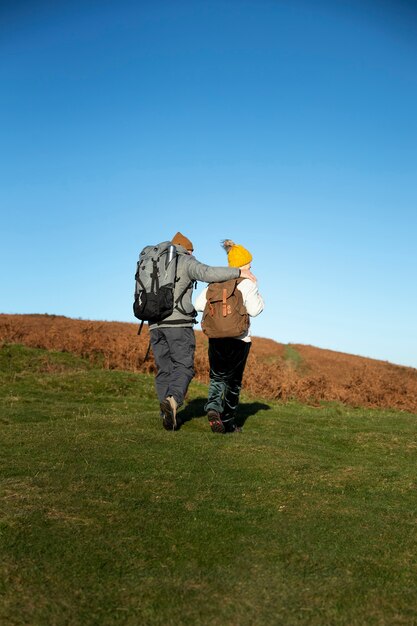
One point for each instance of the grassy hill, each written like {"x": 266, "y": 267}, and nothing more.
{"x": 275, "y": 371}
{"x": 307, "y": 517}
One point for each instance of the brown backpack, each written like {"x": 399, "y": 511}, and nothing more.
{"x": 225, "y": 314}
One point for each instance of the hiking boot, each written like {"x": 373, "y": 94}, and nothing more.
{"x": 169, "y": 412}
{"x": 215, "y": 421}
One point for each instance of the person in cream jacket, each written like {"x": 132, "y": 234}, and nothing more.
{"x": 228, "y": 356}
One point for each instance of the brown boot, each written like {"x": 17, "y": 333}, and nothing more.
{"x": 215, "y": 421}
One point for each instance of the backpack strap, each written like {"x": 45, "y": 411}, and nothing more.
{"x": 176, "y": 322}
{"x": 154, "y": 277}
{"x": 224, "y": 304}
{"x": 147, "y": 352}
{"x": 178, "y": 301}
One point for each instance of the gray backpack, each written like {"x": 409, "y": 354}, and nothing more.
{"x": 156, "y": 275}
{"x": 155, "y": 282}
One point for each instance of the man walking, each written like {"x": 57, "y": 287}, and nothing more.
{"x": 173, "y": 339}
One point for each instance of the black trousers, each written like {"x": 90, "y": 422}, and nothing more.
{"x": 227, "y": 359}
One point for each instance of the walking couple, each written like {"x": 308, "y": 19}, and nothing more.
{"x": 173, "y": 339}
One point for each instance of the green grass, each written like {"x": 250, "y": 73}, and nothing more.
{"x": 308, "y": 517}
{"x": 293, "y": 357}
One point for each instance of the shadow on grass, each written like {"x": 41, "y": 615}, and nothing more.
{"x": 247, "y": 409}
{"x": 195, "y": 409}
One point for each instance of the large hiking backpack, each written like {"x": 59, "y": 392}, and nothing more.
{"x": 156, "y": 275}
{"x": 155, "y": 282}
{"x": 225, "y": 314}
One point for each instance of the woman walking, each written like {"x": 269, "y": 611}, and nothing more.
{"x": 228, "y": 354}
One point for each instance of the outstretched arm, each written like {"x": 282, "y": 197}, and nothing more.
{"x": 208, "y": 274}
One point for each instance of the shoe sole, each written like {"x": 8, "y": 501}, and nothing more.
{"x": 216, "y": 425}
{"x": 169, "y": 420}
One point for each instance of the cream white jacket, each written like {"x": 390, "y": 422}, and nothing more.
{"x": 252, "y": 300}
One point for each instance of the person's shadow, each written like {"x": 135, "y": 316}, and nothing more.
{"x": 195, "y": 409}
{"x": 247, "y": 409}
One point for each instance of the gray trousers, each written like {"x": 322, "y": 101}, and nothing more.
{"x": 173, "y": 349}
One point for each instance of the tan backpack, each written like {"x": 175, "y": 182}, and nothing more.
{"x": 225, "y": 314}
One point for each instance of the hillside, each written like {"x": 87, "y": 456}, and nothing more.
{"x": 307, "y": 517}
{"x": 274, "y": 371}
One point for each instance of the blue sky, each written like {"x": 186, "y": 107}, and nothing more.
{"x": 289, "y": 127}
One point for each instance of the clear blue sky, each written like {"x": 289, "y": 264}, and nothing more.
{"x": 290, "y": 127}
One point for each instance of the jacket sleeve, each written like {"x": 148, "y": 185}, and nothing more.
{"x": 209, "y": 274}
{"x": 252, "y": 299}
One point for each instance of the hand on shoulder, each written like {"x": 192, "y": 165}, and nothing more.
{"x": 248, "y": 274}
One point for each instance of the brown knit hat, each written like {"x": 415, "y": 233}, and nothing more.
{"x": 180, "y": 240}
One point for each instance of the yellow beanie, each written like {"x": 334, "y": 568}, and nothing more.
{"x": 237, "y": 256}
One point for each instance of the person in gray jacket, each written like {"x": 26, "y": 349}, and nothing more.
{"x": 173, "y": 339}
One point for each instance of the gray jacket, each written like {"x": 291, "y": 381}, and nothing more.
{"x": 190, "y": 270}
